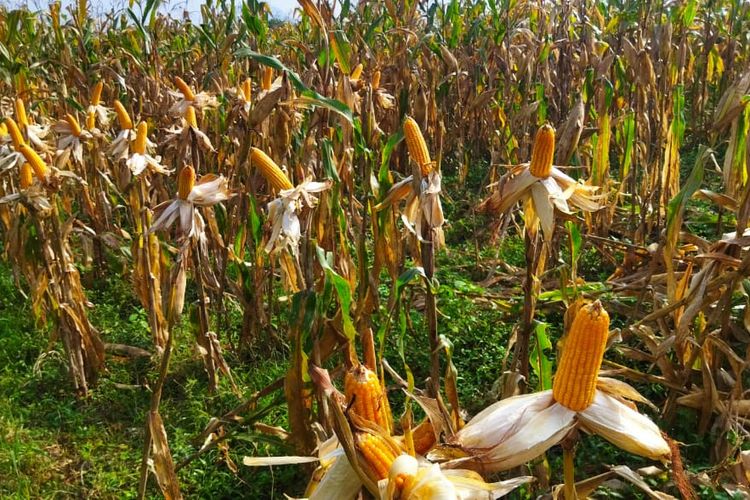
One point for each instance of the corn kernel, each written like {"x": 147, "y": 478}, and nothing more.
{"x": 542, "y": 152}
{"x": 575, "y": 382}
{"x": 417, "y": 146}
{"x": 187, "y": 92}
{"x": 122, "y": 116}
{"x": 185, "y": 182}
{"x": 270, "y": 170}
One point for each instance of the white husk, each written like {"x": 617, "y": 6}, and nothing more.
{"x": 503, "y": 418}
{"x": 339, "y": 482}
{"x": 282, "y": 212}
{"x": 624, "y": 427}
{"x": 137, "y": 163}
{"x": 534, "y": 437}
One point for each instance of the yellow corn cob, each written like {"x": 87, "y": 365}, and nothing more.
{"x": 96, "y": 97}
{"x": 267, "y": 78}
{"x": 247, "y": 89}
{"x": 22, "y": 86}
{"x": 141, "y": 137}
{"x": 21, "y": 117}
{"x": 270, "y": 171}
{"x": 184, "y": 88}
{"x": 543, "y": 152}
{"x": 54, "y": 13}
{"x": 376, "y": 79}
{"x": 15, "y": 133}
{"x": 185, "y": 182}
{"x": 190, "y": 117}
{"x": 39, "y": 166}
{"x": 365, "y": 395}
{"x": 575, "y": 382}
{"x": 122, "y": 116}
{"x": 75, "y": 128}
{"x": 356, "y": 72}
{"x": 26, "y": 177}
{"x": 417, "y": 146}
{"x": 3, "y": 129}
{"x": 96, "y": 93}
{"x": 377, "y": 452}
{"x": 424, "y": 437}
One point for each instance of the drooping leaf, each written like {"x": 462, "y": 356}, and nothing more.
{"x": 341, "y": 49}
{"x": 675, "y": 212}
{"x": 307, "y": 95}
{"x": 343, "y": 291}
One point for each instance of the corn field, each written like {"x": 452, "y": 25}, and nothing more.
{"x": 317, "y": 186}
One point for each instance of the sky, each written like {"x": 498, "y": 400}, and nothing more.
{"x": 280, "y": 8}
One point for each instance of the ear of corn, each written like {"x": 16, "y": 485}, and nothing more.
{"x": 75, "y": 127}
{"x": 356, "y": 72}
{"x": 122, "y": 116}
{"x": 247, "y": 89}
{"x": 376, "y": 79}
{"x": 267, "y": 78}
{"x": 21, "y": 117}
{"x": 15, "y": 133}
{"x": 270, "y": 170}
{"x": 96, "y": 97}
{"x": 185, "y": 182}
{"x": 140, "y": 139}
{"x": 417, "y": 146}
{"x": 366, "y": 397}
{"x": 378, "y": 453}
{"x": 575, "y": 382}
{"x": 26, "y": 177}
{"x": 39, "y": 166}
{"x": 187, "y": 92}
{"x": 96, "y": 93}
{"x": 190, "y": 117}
{"x": 542, "y": 152}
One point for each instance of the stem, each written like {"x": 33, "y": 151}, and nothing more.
{"x": 157, "y": 330}
{"x": 143, "y": 479}
{"x": 569, "y": 467}
{"x": 202, "y": 337}
{"x": 323, "y": 413}
{"x": 84, "y": 347}
{"x": 51, "y": 264}
{"x": 367, "y": 339}
{"x": 428, "y": 262}
{"x": 100, "y": 218}
{"x": 154, "y": 408}
{"x": 535, "y": 253}
{"x": 163, "y": 334}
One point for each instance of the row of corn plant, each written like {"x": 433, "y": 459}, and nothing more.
{"x": 293, "y": 171}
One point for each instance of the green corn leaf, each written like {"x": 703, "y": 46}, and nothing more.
{"x": 343, "y": 291}
{"x": 307, "y": 95}
{"x": 538, "y": 357}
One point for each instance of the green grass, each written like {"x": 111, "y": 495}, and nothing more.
{"x": 53, "y": 445}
